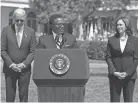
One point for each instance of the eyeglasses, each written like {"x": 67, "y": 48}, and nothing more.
{"x": 19, "y": 20}
{"x": 59, "y": 25}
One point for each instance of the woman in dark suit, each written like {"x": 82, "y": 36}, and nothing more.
{"x": 122, "y": 59}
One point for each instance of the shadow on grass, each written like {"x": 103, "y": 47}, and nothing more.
{"x": 99, "y": 74}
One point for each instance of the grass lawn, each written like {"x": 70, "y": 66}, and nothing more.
{"x": 97, "y": 87}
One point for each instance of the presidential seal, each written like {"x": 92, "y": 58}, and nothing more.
{"x": 59, "y": 64}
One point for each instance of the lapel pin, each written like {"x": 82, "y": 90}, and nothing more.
{"x": 25, "y": 35}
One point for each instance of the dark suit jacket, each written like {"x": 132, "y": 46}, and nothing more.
{"x": 122, "y": 62}
{"x": 47, "y": 41}
{"x": 10, "y": 51}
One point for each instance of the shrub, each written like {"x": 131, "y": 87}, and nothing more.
{"x": 94, "y": 49}
{"x": 83, "y": 44}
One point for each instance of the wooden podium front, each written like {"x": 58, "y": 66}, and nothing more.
{"x": 67, "y": 87}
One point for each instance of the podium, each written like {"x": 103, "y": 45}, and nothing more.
{"x": 61, "y": 74}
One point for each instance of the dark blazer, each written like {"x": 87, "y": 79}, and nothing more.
{"x": 122, "y": 62}
{"x": 10, "y": 51}
{"x": 47, "y": 41}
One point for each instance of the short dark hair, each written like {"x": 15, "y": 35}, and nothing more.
{"x": 53, "y": 17}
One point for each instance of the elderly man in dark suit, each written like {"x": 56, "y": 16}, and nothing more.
{"x": 58, "y": 37}
{"x": 17, "y": 50}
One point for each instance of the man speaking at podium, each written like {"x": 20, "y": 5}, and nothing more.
{"x": 58, "y": 38}
{"x": 55, "y": 67}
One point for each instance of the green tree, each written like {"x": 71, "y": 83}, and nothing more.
{"x": 75, "y": 11}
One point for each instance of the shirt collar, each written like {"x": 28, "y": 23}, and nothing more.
{"x": 125, "y": 39}
{"x": 16, "y": 27}
{"x": 54, "y": 34}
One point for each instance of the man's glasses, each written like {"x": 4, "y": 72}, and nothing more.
{"x": 19, "y": 20}
{"x": 59, "y": 25}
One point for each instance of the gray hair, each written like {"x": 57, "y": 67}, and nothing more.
{"x": 19, "y": 12}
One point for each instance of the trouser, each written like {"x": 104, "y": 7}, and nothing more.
{"x": 116, "y": 85}
{"x": 23, "y": 84}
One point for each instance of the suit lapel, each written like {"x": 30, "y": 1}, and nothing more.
{"x": 14, "y": 35}
{"x": 24, "y": 36}
{"x": 129, "y": 40}
{"x": 53, "y": 41}
{"x": 64, "y": 40}
{"x": 117, "y": 43}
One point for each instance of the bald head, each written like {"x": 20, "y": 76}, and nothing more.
{"x": 19, "y": 14}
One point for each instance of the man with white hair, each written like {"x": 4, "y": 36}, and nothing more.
{"x": 18, "y": 44}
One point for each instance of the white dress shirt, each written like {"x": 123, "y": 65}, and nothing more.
{"x": 123, "y": 43}
{"x": 20, "y": 33}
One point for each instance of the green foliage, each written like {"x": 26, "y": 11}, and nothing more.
{"x": 72, "y": 8}
{"x": 69, "y": 8}
{"x": 95, "y": 49}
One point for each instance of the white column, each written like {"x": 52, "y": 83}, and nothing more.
{"x": 81, "y": 32}
{"x": 91, "y": 31}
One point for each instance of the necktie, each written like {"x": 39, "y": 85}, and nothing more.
{"x": 18, "y": 37}
{"x": 59, "y": 40}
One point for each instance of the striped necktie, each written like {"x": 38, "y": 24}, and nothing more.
{"x": 58, "y": 40}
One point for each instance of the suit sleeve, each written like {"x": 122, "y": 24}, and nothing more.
{"x": 70, "y": 41}
{"x": 40, "y": 44}
{"x": 32, "y": 48}
{"x": 131, "y": 71}
{"x": 4, "y": 47}
{"x": 108, "y": 58}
